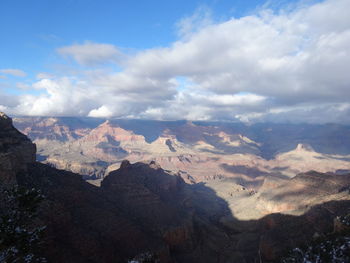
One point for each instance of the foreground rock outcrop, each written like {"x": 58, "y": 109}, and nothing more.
{"x": 16, "y": 151}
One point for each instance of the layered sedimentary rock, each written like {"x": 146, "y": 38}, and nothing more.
{"x": 303, "y": 191}
{"x": 202, "y": 151}
{"x": 16, "y": 151}
{"x": 141, "y": 207}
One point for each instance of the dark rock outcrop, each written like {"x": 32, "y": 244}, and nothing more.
{"x": 280, "y": 233}
{"x": 155, "y": 199}
{"x": 16, "y": 151}
{"x": 82, "y": 224}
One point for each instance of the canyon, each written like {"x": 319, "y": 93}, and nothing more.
{"x": 187, "y": 192}
{"x": 200, "y": 151}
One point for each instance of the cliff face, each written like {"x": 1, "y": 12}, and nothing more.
{"x": 297, "y": 195}
{"x": 16, "y": 151}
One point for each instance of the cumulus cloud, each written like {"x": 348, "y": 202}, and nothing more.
{"x": 93, "y": 96}
{"x": 289, "y": 65}
{"x": 281, "y": 56}
{"x": 193, "y": 106}
{"x": 13, "y": 72}
{"x": 91, "y": 54}
{"x": 7, "y": 102}
{"x": 62, "y": 97}
{"x": 102, "y": 111}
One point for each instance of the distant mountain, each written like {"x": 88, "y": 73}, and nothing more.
{"x": 198, "y": 150}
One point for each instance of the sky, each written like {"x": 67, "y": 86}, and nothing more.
{"x": 250, "y": 61}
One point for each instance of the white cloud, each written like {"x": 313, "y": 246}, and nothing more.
{"x": 65, "y": 96}
{"x": 102, "y": 111}
{"x": 323, "y": 113}
{"x": 272, "y": 55}
{"x": 286, "y": 66}
{"x": 188, "y": 25}
{"x": 7, "y": 101}
{"x": 13, "y": 72}
{"x": 90, "y": 54}
{"x": 238, "y": 99}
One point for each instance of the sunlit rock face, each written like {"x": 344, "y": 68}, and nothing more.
{"x": 199, "y": 151}
{"x": 16, "y": 151}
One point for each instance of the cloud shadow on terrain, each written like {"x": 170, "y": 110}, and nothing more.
{"x": 124, "y": 216}
{"x": 242, "y": 169}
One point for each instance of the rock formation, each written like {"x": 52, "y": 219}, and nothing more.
{"x": 16, "y": 151}
{"x": 143, "y": 208}
{"x": 139, "y": 208}
{"x": 247, "y": 154}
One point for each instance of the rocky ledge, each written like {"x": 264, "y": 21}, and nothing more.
{"x": 16, "y": 151}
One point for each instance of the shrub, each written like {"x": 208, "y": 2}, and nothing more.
{"x": 20, "y": 233}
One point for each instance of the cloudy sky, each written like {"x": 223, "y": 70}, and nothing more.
{"x": 283, "y": 61}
